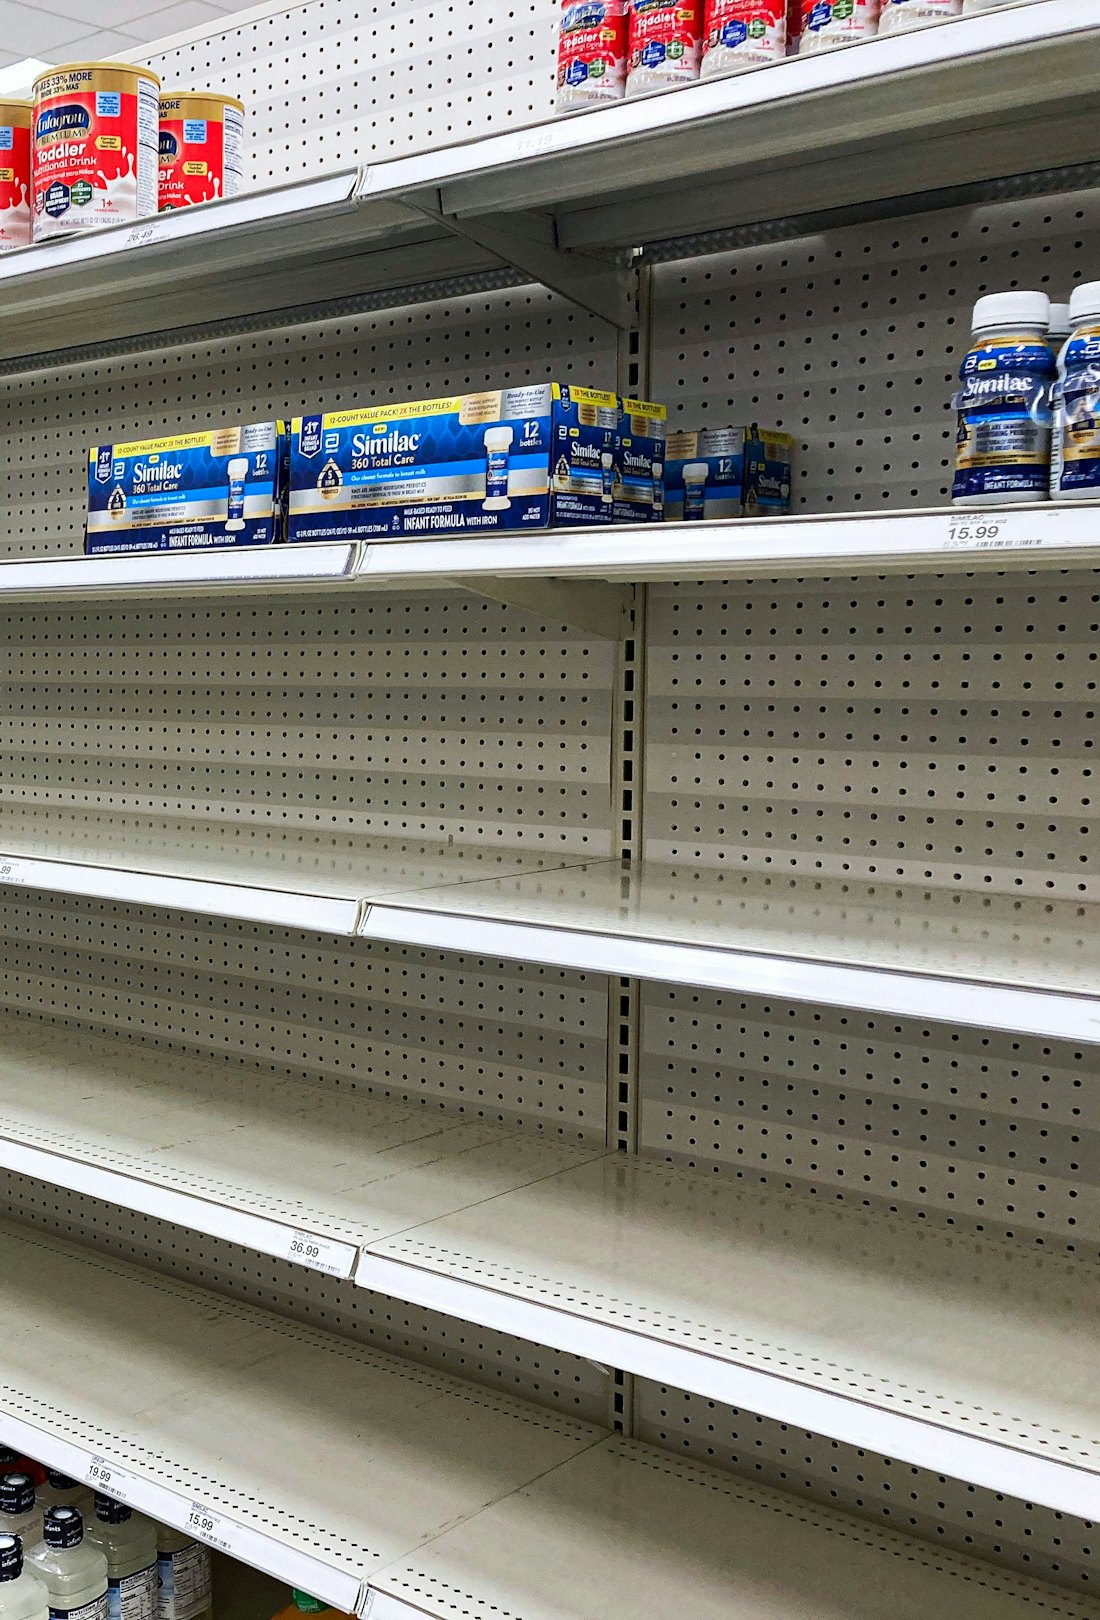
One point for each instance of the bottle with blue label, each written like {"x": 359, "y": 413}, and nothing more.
{"x": 1002, "y": 448}
{"x": 1075, "y": 463}
{"x": 128, "y": 1541}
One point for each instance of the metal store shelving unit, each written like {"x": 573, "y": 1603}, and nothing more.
{"x": 312, "y": 858}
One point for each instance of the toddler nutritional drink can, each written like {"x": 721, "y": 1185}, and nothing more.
{"x": 93, "y": 146}
{"x": 829, "y": 23}
{"x": 15, "y": 174}
{"x": 664, "y": 44}
{"x": 201, "y": 148}
{"x": 740, "y": 34}
{"x": 899, "y": 15}
{"x": 591, "y": 52}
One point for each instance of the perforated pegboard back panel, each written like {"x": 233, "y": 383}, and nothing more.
{"x": 328, "y": 85}
{"x": 458, "y": 346}
{"x": 851, "y": 340}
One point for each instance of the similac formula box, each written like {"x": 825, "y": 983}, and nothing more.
{"x": 639, "y": 492}
{"x": 513, "y": 458}
{"x": 727, "y": 472}
{"x": 766, "y": 485}
{"x": 220, "y": 487}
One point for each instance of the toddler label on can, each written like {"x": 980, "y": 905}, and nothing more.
{"x": 591, "y": 52}
{"x": 741, "y": 34}
{"x": 94, "y": 154}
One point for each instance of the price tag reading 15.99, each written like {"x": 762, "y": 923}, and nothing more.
{"x": 209, "y": 1527}
{"x": 998, "y": 532}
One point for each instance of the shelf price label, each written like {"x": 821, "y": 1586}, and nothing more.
{"x": 151, "y": 231}
{"x": 11, "y": 871}
{"x": 998, "y": 532}
{"x": 109, "y": 1478}
{"x": 320, "y": 1254}
{"x": 206, "y": 1525}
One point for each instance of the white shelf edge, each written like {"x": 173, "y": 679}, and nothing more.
{"x": 163, "y": 230}
{"x": 276, "y": 1558}
{"x": 158, "y": 570}
{"x": 670, "y": 112}
{"x": 265, "y": 1234}
{"x": 277, "y": 907}
{"x": 988, "y": 1463}
{"x": 903, "y": 994}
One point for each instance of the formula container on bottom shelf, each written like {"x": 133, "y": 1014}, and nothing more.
{"x": 15, "y": 174}
{"x": 899, "y": 15}
{"x": 94, "y": 146}
{"x": 184, "y": 1583}
{"x": 1075, "y": 461}
{"x": 664, "y": 44}
{"x": 128, "y": 1541}
{"x": 827, "y": 24}
{"x": 22, "y": 1595}
{"x": 201, "y": 150}
{"x": 591, "y": 53}
{"x": 20, "y": 1515}
{"x": 1002, "y": 448}
{"x": 61, "y": 1491}
{"x": 73, "y": 1572}
{"x": 741, "y": 34}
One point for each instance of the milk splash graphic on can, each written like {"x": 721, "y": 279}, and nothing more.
{"x": 94, "y": 147}
{"x": 15, "y": 175}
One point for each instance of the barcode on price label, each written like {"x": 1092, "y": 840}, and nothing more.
{"x": 209, "y": 1527}
{"x": 109, "y": 1478}
{"x": 320, "y": 1254}
{"x": 1000, "y": 533}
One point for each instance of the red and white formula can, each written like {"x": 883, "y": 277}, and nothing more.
{"x": 898, "y": 16}
{"x": 15, "y": 174}
{"x": 591, "y": 52}
{"x": 664, "y": 44}
{"x": 827, "y": 24}
{"x": 201, "y": 148}
{"x": 740, "y": 34}
{"x": 93, "y": 146}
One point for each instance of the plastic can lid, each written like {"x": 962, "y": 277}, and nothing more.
{"x": 11, "y": 1558}
{"x": 16, "y": 1493}
{"x": 63, "y": 1527}
{"x": 1010, "y": 308}
{"x": 1084, "y": 300}
{"x": 108, "y": 1511}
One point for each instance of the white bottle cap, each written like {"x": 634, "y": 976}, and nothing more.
{"x": 1011, "y": 309}
{"x": 696, "y": 472}
{"x": 1084, "y": 301}
{"x": 1059, "y": 320}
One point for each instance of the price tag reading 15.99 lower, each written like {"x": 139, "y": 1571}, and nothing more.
{"x": 1000, "y": 531}
{"x": 205, "y": 1525}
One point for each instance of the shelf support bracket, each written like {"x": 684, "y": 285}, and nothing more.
{"x": 528, "y": 242}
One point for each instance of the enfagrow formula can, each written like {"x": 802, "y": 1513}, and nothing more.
{"x": 827, "y": 24}
{"x": 591, "y": 52}
{"x": 664, "y": 44}
{"x": 740, "y": 34}
{"x": 201, "y": 148}
{"x": 898, "y": 16}
{"x": 15, "y": 175}
{"x": 94, "y": 153}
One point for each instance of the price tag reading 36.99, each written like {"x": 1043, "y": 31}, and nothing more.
{"x": 999, "y": 532}
{"x": 307, "y": 1249}
{"x": 209, "y": 1527}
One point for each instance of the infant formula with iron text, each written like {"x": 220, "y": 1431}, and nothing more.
{"x": 15, "y": 175}
{"x": 93, "y": 147}
{"x": 201, "y": 154}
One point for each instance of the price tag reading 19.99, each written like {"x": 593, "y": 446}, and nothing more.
{"x": 110, "y": 1479}
{"x": 210, "y": 1527}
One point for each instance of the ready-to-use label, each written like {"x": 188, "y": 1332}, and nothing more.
{"x": 15, "y": 175}
{"x": 664, "y": 45}
{"x": 201, "y": 149}
{"x": 183, "y": 1578}
{"x": 133, "y": 1597}
{"x": 591, "y": 52}
{"x": 94, "y": 151}
{"x": 739, "y": 34}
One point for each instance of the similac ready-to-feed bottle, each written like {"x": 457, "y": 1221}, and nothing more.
{"x": 741, "y": 34}
{"x": 591, "y": 53}
{"x": 22, "y": 1594}
{"x": 128, "y": 1541}
{"x": 1002, "y": 447}
{"x": 184, "y": 1584}
{"x": 827, "y": 24}
{"x": 1075, "y": 462}
{"x": 73, "y": 1572}
{"x": 899, "y": 15}
{"x": 664, "y": 44}
{"x": 93, "y": 146}
{"x": 15, "y": 174}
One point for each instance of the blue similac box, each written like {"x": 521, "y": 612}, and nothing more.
{"x": 512, "y": 458}
{"x": 727, "y": 472}
{"x": 190, "y": 491}
{"x": 640, "y": 462}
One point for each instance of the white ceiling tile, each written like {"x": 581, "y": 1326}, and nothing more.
{"x": 36, "y": 33}
{"x": 174, "y": 19}
{"x": 101, "y": 14}
{"x": 93, "y": 47}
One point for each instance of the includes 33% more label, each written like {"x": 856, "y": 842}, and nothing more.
{"x": 1000, "y": 533}
{"x": 320, "y": 1254}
